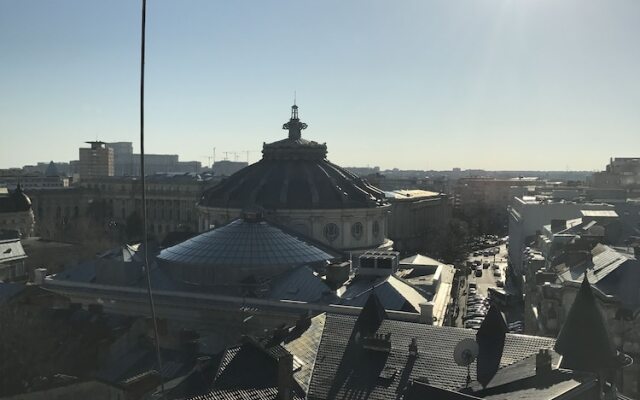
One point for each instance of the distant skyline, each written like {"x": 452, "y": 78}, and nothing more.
{"x": 494, "y": 85}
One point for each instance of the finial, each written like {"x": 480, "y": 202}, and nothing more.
{"x": 294, "y": 126}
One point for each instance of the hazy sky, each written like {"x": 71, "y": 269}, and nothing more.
{"x": 504, "y": 84}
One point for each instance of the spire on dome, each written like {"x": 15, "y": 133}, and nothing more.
{"x": 294, "y": 126}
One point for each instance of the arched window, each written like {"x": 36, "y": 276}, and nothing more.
{"x": 356, "y": 230}
{"x": 331, "y": 232}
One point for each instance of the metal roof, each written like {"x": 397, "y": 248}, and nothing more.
{"x": 394, "y": 294}
{"x": 301, "y": 284}
{"x": 245, "y": 243}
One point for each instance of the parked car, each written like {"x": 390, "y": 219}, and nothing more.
{"x": 479, "y": 272}
{"x": 485, "y": 264}
{"x": 473, "y": 285}
{"x": 497, "y": 273}
{"x": 500, "y": 283}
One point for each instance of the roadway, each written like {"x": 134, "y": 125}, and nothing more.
{"x": 484, "y": 282}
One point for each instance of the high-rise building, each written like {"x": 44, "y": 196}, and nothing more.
{"x": 96, "y": 160}
{"x": 122, "y": 158}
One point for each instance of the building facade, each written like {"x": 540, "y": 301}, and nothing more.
{"x": 621, "y": 173}
{"x": 528, "y": 216}
{"x": 416, "y": 217}
{"x": 485, "y": 199}
{"x": 171, "y": 204}
{"x": 96, "y": 160}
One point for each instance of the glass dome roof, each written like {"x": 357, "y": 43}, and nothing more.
{"x": 244, "y": 243}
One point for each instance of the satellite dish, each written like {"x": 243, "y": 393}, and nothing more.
{"x": 465, "y": 352}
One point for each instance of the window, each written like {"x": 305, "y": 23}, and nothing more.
{"x": 376, "y": 229}
{"x": 356, "y": 230}
{"x": 331, "y": 232}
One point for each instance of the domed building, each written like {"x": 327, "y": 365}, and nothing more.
{"x": 299, "y": 188}
{"x": 16, "y": 213}
{"x": 246, "y": 251}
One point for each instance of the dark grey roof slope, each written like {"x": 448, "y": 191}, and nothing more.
{"x": 293, "y": 174}
{"x": 9, "y": 290}
{"x": 301, "y": 284}
{"x": 270, "y": 393}
{"x": 245, "y": 243}
{"x": 519, "y": 381}
{"x": 343, "y": 371}
{"x": 584, "y": 339}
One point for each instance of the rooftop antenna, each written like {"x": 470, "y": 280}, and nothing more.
{"x": 144, "y": 195}
{"x": 464, "y": 354}
{"x": 294, "y": 97}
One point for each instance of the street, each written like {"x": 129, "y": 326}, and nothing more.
{"x": 484, "y": 282}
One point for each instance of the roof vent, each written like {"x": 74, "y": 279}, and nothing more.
{"x": 378, "y": 263}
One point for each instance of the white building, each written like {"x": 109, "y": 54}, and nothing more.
{"x": 528, "y": 215}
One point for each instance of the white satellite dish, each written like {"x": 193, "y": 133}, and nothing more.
{"x": 465, "y": 352}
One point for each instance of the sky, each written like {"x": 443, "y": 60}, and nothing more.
{"x": 492, "y": 84}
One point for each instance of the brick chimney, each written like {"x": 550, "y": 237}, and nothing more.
{"x": 285, "y": 376}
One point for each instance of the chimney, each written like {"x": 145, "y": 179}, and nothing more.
{"x": 426, "y": 313}
{"x": 413, "y": 348}
{"x": 285, "y": 376}
{"x": 202, "y": 362}
{"x": 543, "y": 362}
{"x": 39, "y": 275}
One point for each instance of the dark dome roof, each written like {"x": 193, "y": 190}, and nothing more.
{"x": 244, "y": 243}
{"x": 293, "y": 174}
{"x": 16, "y": 201}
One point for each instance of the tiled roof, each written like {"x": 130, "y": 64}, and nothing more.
{"x": 250, "y": 370}
{"x": 304, "y": 348}
{"x": 612, "y": 272}
{"x": 343, "y": 371}
{"x": 269, "y": 393}
{"x": 605, "y": 261}
{"x": 424, "y": 391}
